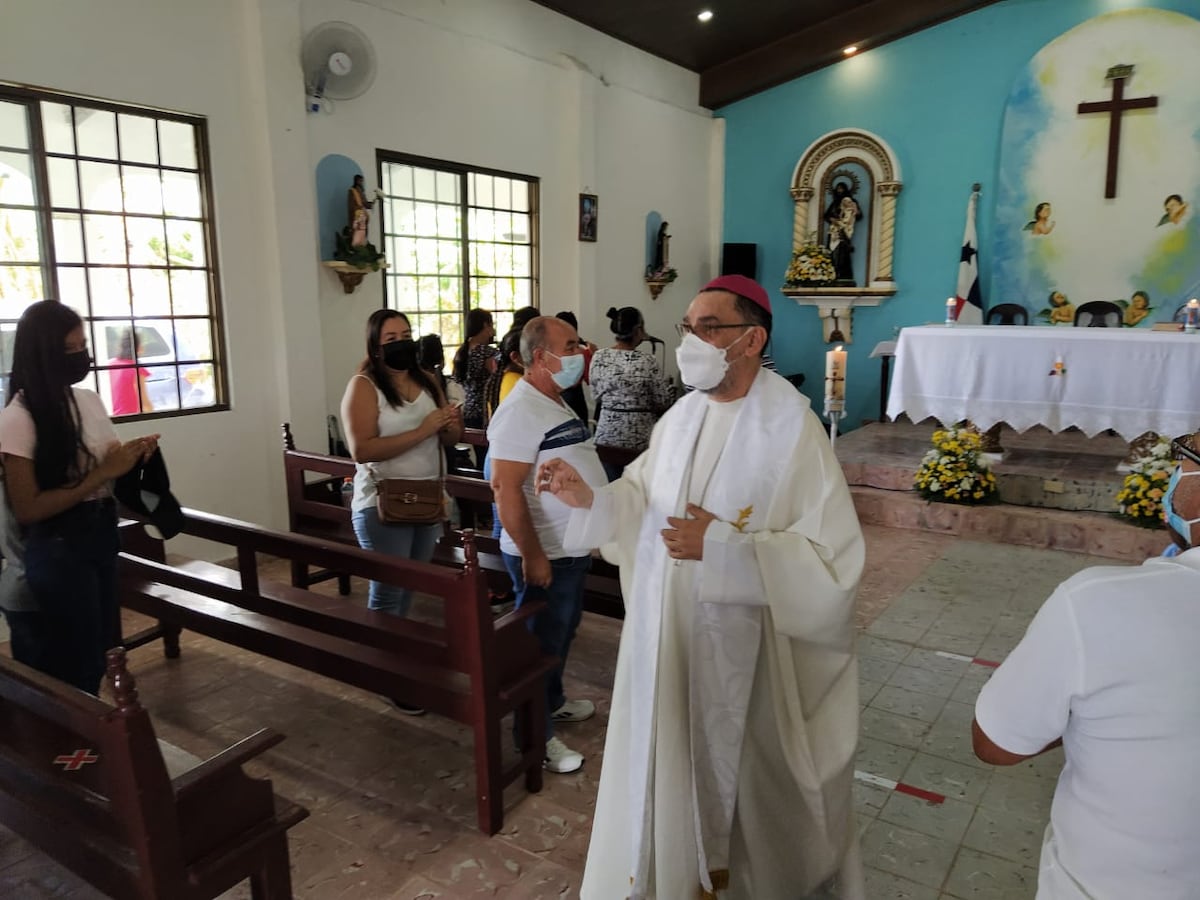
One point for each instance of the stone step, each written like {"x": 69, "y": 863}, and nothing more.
{"x": 1079, "y": 531}
{"x": 1067, "y": 471}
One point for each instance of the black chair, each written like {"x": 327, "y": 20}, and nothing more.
{"x": 1098, "y": 314}
{"x": 1180, "y": 314}
{"x": 1007, "y": 314}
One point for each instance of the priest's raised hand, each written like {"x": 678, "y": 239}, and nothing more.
{"x": 560, "y": 479}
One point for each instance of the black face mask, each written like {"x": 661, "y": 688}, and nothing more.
{"x": 76, "y": 366}
{"x": 400, "y": 356}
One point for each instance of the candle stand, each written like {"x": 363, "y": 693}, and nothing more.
{"x": 834, "y": 410}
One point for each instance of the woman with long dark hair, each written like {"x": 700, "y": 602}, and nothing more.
{"x": 60, "y": 453}
{"x": 396, "y": 420}
{"x": 473, "y": 363}
{"x": 509, "y": 370}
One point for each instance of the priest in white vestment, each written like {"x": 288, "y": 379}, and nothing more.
{"x": 730, "y": 750}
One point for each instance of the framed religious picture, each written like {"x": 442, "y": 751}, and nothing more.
{"x": 588, "y": 210}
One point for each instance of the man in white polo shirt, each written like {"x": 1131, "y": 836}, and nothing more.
{"x": 1110, "y": 668}
{"x": 529, "y": 427}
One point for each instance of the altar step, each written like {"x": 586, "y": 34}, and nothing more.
{"x": 1057, "y": 491}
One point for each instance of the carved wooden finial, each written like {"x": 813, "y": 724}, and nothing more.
{"x": 123, "y": 683}
{"x": 469, "y": 551}
{"x": 289, "y": 442}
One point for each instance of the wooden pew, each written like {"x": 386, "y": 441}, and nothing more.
{"x": 315, "y": 509}
{"x": 472, "y": 668}
{"x": 86, "y": 783}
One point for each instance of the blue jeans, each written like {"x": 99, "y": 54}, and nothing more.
{"x": 414, "y": 542}
{"x": 555, "y": 626}
{"x": 71, "y": 569}
{"x": 487, "y": 476}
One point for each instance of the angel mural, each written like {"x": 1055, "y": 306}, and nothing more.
{"x": 1041, "y": 223}
{"x": 1136, "y": 309}
{"x": 1174, "y": 211}
{"x": 1061, "y": 310}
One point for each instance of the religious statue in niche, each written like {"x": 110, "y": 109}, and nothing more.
{"x": 662, "y": 251}
{"x": 352, "y": 244}
{"x": 358, "y": 212}
{"x": 1041, "y": 223}
{"x": 659, "y": 271}
{"x": 1174, "y": 211}
{"x": 1061, "y": 311}
{"x": 841, "y": 215}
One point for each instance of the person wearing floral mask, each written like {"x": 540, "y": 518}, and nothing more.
{"x": 1108, "y": 670}
{"x": 61, "y": 454}
{"x": 729, "y": 760}
{"x": 532, "y": 425}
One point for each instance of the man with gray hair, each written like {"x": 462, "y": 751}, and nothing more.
{"x": 529, "y": 427}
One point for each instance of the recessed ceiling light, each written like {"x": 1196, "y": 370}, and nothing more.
{"x": 851, "y": 50}
{"x": 705, "y": 15}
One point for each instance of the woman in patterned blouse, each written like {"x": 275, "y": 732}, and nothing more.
{"x": 473, "y": 363}
{"x": 629, "y": 388}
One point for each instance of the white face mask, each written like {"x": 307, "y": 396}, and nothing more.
{"x": 701, "y": 365}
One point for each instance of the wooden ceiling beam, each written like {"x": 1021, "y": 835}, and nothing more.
{"x": 820, "y": 45}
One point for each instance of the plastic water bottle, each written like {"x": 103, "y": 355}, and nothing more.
{"x": 347, "y": 490}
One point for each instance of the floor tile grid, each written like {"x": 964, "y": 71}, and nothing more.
{"x": 920, "y": 678}
{"x": 401, "y": 824}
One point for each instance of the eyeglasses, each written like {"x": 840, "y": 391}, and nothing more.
{"x": 1182, "y": 448}
{"x": 706, "y": 330}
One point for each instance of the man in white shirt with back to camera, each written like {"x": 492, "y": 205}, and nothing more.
{"x": 1110, "y": 669}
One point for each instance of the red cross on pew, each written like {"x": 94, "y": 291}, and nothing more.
{"x": 76, "y": 760}
{"x": 1115, "y": 108}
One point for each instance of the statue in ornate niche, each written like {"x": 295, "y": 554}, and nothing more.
{"x": 840, "y": 217}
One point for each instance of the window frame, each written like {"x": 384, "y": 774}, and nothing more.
{"x": 32, "y": 98}
{"x": 462, "y": 170}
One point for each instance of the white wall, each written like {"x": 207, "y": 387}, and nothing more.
{"x": 189, "y": 57}
{"x": 504, "y": 84}
{"x": 507, "y": 84}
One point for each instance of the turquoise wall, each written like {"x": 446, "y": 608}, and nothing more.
{"x": 937, "y": 97}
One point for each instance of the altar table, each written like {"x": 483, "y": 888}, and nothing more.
{"x": 1129, "y": 380}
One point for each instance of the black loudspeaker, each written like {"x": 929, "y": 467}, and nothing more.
{"x": 740, "y": 259}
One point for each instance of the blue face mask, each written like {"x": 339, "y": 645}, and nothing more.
{"x": 1177, "y": 523}
{"x": 571, "y": 371}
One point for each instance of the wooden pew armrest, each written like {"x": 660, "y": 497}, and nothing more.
{"x": 519, "y": 617}
{"x": 198, "y": 780}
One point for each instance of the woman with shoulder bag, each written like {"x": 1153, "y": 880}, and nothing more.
{"x": 397, "y": 421}
{"x": 60, "y": 455}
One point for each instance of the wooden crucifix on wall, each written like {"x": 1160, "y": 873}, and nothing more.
{"x": 1115, "y": 108}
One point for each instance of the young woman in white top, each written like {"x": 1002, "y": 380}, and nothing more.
{"x": 396, "y": 420}
{"x": 60, "y": 452}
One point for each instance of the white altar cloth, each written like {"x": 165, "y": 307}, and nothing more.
{"x": 1131, "y": 381}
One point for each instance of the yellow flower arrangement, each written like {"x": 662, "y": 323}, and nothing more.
{"x": 1140, "y": 498}
{"x": 955, "y": 470}
{"x": 812, "y": 264}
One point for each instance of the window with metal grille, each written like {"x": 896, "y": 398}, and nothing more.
{"x": 107, "y": 208}
{"x": 457, "y": 238}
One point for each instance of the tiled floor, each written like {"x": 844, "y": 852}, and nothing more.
{"x": 390, "y": 796}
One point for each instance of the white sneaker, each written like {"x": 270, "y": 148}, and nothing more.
{"x": 574, "y": 711}
{"x": 560, "y": 758}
